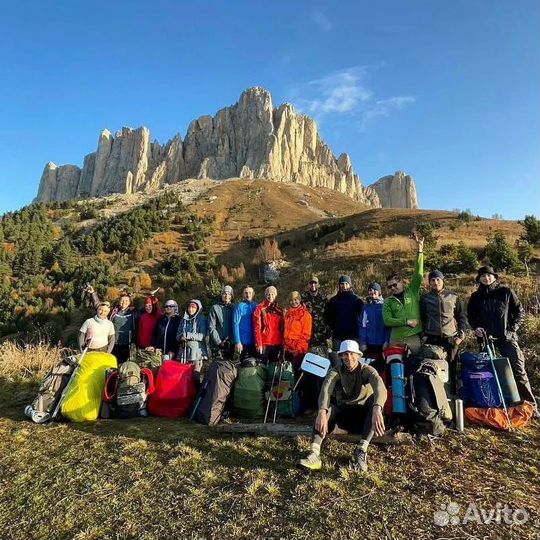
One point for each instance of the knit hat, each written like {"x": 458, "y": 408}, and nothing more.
{"x": 271, "y": 288}
{"x": 375, "y": 286}
{"x": 435, "y": 274}
{"x": 227, "y": 289}
{"x": 345, "y": 279}
{"x": 486, "y": 270}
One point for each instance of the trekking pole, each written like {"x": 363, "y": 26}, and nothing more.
{"x": 198, "y": 402}
{"x": 184, "y": 359}
{"x": 278, "y": 389}
{"x": 298, "y": 381}
{"x": 270, "y": 395}
{"x": 489, "y": 345}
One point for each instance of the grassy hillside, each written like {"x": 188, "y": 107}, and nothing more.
{"x": 155, "y": 478}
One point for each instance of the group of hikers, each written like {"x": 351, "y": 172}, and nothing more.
{"x": 353, "y": 394}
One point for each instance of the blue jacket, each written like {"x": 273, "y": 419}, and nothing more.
{"x": 194, "y": 329}
{"x": 243, "y": 323}
{"x": 371, "y": 325}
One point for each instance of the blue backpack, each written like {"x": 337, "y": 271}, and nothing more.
{"x": 479, "y": 384}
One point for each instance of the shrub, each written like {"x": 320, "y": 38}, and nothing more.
{"x": 500, "y": 253}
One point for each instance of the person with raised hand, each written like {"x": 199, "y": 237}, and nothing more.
{"x": 98, "y": 332}
{"x": 401, "y": 310}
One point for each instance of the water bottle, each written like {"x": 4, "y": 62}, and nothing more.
{"x": 459, "y": 415}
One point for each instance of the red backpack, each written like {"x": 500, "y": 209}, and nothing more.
{"x": 174, "y": 390}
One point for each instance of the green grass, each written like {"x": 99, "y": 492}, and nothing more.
{"x": 157, "y": 478}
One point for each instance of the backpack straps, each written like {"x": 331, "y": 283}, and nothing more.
{"x": 147, "y": 374}
{"x": 111, "y": 384}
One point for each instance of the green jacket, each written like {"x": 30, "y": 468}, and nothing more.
{"x": 396, "y": 313}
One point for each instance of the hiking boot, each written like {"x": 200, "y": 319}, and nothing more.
{"x": 311, "y": 462}
{"x": 359, "y": 460}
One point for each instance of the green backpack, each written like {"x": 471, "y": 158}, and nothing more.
{"x": 248, "y": 400}
{"x": 280, "y": 390}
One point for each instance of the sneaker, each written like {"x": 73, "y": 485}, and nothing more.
{"x": 359, "y": 460}
{"x": 28, "y": 411}
{"x": 311, "y": 462}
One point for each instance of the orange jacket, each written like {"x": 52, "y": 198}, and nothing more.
{"x": 298, "y": 323}
{"x": 268, "y": 324}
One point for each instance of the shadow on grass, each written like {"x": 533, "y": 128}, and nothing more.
{"x": 250, "y": 451}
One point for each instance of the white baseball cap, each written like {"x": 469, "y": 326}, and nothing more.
{"x": 349, "y": 345}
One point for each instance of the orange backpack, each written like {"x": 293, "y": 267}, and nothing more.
{"x": 493, "y": 417}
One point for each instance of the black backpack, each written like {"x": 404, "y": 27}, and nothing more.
{"x": 428, "y": 406}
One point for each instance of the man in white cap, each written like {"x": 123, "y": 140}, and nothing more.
{"x": 352, "y": 397}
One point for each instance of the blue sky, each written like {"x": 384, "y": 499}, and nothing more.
{"x": 444, "y": 90}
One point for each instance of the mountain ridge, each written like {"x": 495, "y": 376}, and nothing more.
{"x": 250, "y": 139}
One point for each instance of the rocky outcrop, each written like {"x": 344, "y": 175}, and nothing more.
{"x": 58, "y": 183}
{"x": 396, "y": 191}
{"x": 250, "y": 139}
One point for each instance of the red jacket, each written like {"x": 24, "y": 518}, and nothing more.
{"x": 146, "y": 326}
{"x": 298, "y": 322}
{"x": 268, "y": 324}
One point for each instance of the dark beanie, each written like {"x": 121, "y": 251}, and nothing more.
{"x": 435, "y": 274}
{"x": 345, "y": 279}
{"x": 375, "y": 286}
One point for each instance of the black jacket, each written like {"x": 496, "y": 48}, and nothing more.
{"x": 165, "y": 334}
{"x": 497, "y": 310}
{"x": 342, "y": 313}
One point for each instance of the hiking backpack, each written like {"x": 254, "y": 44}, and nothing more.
{"x": 248, "y": 400}
{"x": 428, "y": 405}
{"x": 45, "y": 408}
{"x": 174, "y": 390}
{"x": 214, "y": 392}
{"x": 126, "y": 390}
{"x": 280, "y": 383}
{"x": 82, "y": 399}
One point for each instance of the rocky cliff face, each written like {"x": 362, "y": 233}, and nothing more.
{"x": 251, "y": 139}
{"x": 396, "y": 191}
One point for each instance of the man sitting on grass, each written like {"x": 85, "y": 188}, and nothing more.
{"x": 352, "y": 397}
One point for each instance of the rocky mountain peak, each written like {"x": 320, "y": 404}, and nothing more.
{"x": 250, "y": 139}
{"x": 397, "y": 190}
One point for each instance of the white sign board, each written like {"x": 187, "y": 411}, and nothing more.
{"x": 315, "y": 364}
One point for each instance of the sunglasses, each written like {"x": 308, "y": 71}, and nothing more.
{"x": 392, "y": 285}
{"x": 169, "y": 305}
